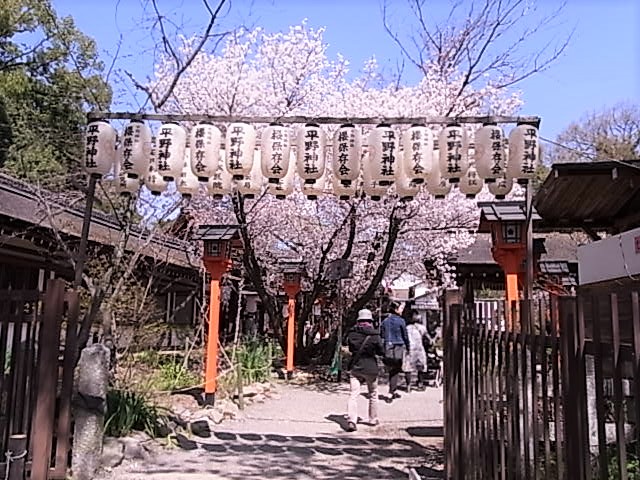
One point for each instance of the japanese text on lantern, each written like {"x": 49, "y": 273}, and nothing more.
{"x": 164, "y": 144}
{"x": 346, "y": 139}
{"x": 91, "y": 150}
{"x": 199, "y": 146}
{"x": 236, "y": 141}
{"x": 131, "y": 133}
{"x": 497, "y": 152}
{"x": 454, "y": 150}
{"x": 311, "y": 146}
{"x": 416, "y": 152}
{"x": 388, "y": 153}
{"x": 279, "y": 141}
{"x": 529, "y": 154}
{"x": 473, "y": 178}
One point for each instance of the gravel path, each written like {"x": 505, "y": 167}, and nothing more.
{"x": 299, "y": 436}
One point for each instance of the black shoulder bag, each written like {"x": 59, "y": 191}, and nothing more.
{"x": 357, "y": 355}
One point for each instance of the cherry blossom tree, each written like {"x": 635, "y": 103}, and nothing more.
{"x": 277, "y": 74}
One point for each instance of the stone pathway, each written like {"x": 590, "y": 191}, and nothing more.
{"x": 300, "y": 436}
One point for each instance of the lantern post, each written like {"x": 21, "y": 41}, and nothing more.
{"x": 218, "y": 244}
{"x": 292, "y": 271}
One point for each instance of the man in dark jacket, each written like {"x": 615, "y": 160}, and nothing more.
{"x": 365, "y": 345}
{"x": 396, "y": 342}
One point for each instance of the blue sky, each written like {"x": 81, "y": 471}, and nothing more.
{"x": 600, "y": 67}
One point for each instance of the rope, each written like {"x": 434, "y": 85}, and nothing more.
{"x": 10, "y": 458}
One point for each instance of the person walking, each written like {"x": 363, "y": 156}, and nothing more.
{"x": 415, "y": 360}
{"x": 365, "y": 346}
{"x": 396, "y": 342}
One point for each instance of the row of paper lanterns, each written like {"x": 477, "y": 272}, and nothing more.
{"x": 408, "y": 162}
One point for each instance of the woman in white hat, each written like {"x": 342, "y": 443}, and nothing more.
{"x": 365, "y": 345}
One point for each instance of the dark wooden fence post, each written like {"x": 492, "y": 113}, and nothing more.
{"x": 15, "y": 462}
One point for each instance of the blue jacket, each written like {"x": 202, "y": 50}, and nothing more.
{"x": 394, "y": 331}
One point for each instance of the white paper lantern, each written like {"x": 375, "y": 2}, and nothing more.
{"x": 99, "y": 148}
{"x": 454, "y": 157}
{"x": 276, "y": 149}
{"x": 371, "y": 187}
{"x": 310, "y": 149}
{"x": 383, "y": 155}
{"x": 136, "y": 148}
{"x": 490, "y": 154}
{"x": 154, "y": 181}
{"x": 471, "y": 183}
{"x": 524, "y": 153}
{"x": 127, "y": 185}
{"x": 221, "y": 183}
{"x": 187, "y": 183}
{"x": 342, "y": 191}
{"x": 240, "y": 144}
{"x": 347, "y": 151}
{"x": 172, "y": 141}
{"x": 406, "y": 188}
{"x": 417, "y": 158}
{"x": 501, "y": 187}
{"x": 204, "y": 150}
{"x": 437, "y": 186}
{"x": 251, "y": 185}
{"x": 284, "y": 186}
{"x": 314, "y": 190}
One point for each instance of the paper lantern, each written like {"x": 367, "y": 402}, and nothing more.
{"x": 470, "y": 183}
{"x": 251, "y": 185}
{"x": 383, "y": 155}
{"x": 154, "y": 181}
{"x": 501, "y": 187}
{"x": 221, "y": 183}
{"x": 347, "y": 151}
{"x": 406, "y": 188}
{"x": 417, "y": 157}
{"x": 454, "y": 158}
{"x": 314, "y": 190}
{"x": 204, "y": 150}
{"x": 100, "y": 148}
{"x": 524, "y": 153}
{"x": 172, "y": 141}
{"x": 187, "y": 183}
{"x": 284, "y": 186}
{"x": 310, "y": 148}
{"x": 342, "y": 191}
{"x": 127, "y": 185}
{"x": 371, "y": 187}
{"x": 437, "y": 186}
{"x": 240, "y": 144}
{"x": 136, "y": 148}
{"x": 490, "y": 154}
{"x": 276, "y": 149}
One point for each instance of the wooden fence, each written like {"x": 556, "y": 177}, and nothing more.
{"x": 37, "y": 341}
{"x": 554, "y": 397}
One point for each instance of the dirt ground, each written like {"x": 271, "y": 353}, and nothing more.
{"x": 300, "y": 435}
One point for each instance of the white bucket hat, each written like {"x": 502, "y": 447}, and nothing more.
{"x": 365, "y": 314}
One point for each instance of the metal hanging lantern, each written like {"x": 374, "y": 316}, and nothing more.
{"x": 383, "y": 155}
{"x": 310, "y": 149}
{"x": 276, "y": 149}
{"x": 342, "y": 191}
{"x": 220, "y": 184}
{"x": 437, "y": 186}
{"x": 501, "y": 187}
{"x": 204, "y": 150}
{"x": 251, "y": 185}
{"x": 347, "y": 151}
{"x": 154, "y": 181}
{"x": 406, "y": 188}
{"x": 453, "y": 147}
{"x": 188, "y": 183}
{"x": 240, "y": 144}
{"x": 524, "y": 153}
{"x": 417, "y": 158}
{"x": 172, "y": 141}
{"x": 314, "y": 190}
{"x": 470, "y": 183}
{"x": 100, "y": 148}
{"x": 490, "y": 154}
{"x": 135, "y": 151}
{"x": 284, "y": 186}
{"x": 372, "y": 188}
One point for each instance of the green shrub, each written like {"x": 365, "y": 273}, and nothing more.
{"x": 172, "y": 375}
{"x": 255, "y": 357}
{"x": 128, "y": 411}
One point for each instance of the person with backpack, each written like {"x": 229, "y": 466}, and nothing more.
{"x": 396, "y": 343}
{"x": 365, "y": 346}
